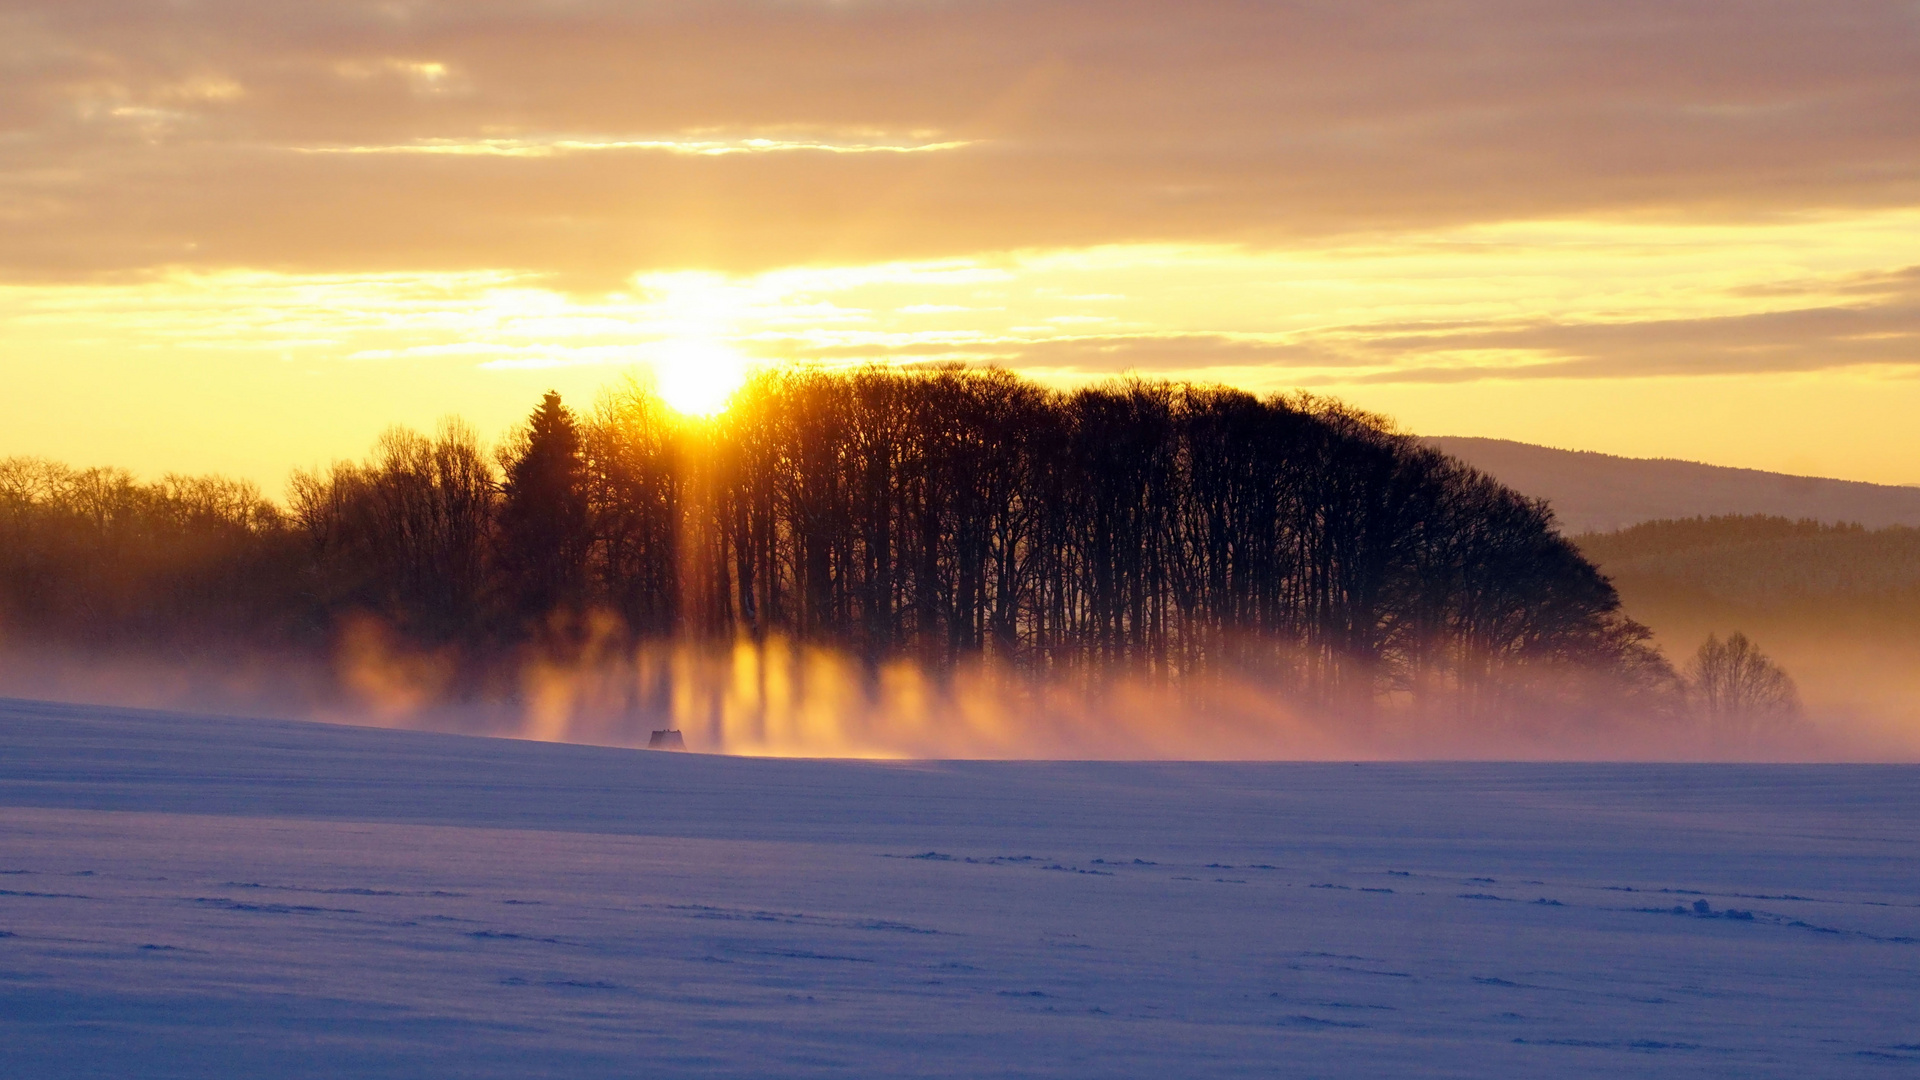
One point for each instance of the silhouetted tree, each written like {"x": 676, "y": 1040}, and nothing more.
{"x": 544, "y": 532}
{"x": 634, "y": 476}
{"x": 404, "y": 535}
{"x": 1739, "y": 690}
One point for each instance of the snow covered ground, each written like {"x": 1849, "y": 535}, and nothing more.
{"x": 208, "y": 897}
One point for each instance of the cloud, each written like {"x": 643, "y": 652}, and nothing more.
{"x": 1885, "y": 334}
{"x": 1172, "y": 353}
{"x": 1877, "y": 327}
{"x": 1803, "y": 339}
{"x": 139, "y": 135}
{"x": 555, "y": 146}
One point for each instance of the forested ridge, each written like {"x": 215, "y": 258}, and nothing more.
{"x": 1163, "y": 531}
{"x": 1759, "y": 564}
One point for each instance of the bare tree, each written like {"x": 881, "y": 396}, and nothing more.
{"x": 1738, "y": 689}
{"x": 405, "y": 534}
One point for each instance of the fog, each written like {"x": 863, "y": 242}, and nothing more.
{"x": 784, "y": 699}
{"x": 957, "y": 564}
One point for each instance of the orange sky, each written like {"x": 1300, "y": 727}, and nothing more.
{"x": 245, "y": 235}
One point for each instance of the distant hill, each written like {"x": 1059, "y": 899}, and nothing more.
{"x": 1599, "y": 492}
{"x": 1767, "y": 566}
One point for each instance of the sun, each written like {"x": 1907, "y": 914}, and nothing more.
{"x": 698, "y": 378}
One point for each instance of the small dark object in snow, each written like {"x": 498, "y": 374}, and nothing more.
{"x": 666, "y": 740}
{"x": 1744, "y": 916}
{"x": 1701, "y": 907}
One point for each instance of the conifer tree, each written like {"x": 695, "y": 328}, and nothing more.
{"x": 544, "y": 526}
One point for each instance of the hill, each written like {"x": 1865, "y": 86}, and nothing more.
{"x": 1768, "y": 565}
{"x": 1596, "y": 492}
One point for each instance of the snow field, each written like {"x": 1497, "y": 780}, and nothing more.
{"x": 210, "y": 897}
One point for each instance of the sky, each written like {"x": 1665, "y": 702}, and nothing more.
{"x": 246, "y": 235}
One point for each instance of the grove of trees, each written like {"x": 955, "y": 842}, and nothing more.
{"x": 1170, "y": 532}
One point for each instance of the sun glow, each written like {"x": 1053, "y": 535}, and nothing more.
{"x": 698, "y": 378}
{"x": 1449, "y": 332}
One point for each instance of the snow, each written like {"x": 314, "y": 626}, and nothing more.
{"x": 212, "y": 897}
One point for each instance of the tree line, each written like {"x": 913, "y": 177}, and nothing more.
{"x": 1170, "y": 532}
